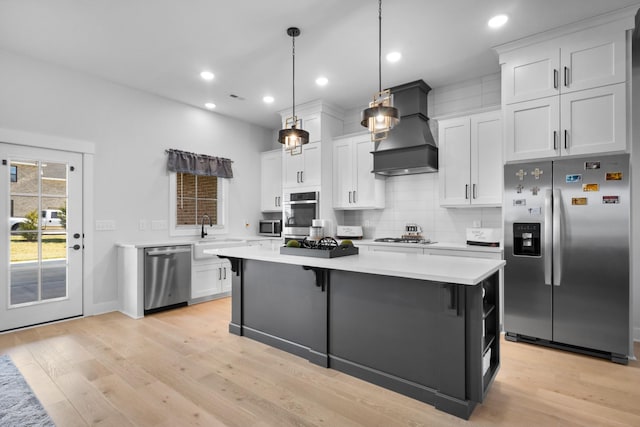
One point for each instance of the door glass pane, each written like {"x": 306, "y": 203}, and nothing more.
{"x": 54, "y": 179}
{"x": 38, "y": 241}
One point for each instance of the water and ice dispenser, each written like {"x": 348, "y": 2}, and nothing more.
{"x": 526, "y": 239}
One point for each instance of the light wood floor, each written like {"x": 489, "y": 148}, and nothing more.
{"x": 182, "y": 368}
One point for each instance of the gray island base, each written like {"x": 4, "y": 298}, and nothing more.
{"x": 433, "y": 340}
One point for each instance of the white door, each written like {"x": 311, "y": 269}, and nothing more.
{"x": 342, "y": 174}
{"x": 532, "y": 129}
{"x": 271, "y": 181}
{"x": 486, "y": 159}
{"x": 42, "y": 276}
{"x": 310, "y": 174}
{"x": 364, "y": 180}
{"x": 593, "y": 58}
{"x": 454, "y": 159}
{"x": 594, "y": 120}
{"x": 530, "y": 73}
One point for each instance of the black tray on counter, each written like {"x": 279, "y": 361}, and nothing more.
{"x": 320, "y": 253}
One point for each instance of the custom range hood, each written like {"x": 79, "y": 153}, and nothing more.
{"x": 409, "y": 148}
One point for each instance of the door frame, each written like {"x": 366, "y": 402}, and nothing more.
{"x": 87, "y": 150}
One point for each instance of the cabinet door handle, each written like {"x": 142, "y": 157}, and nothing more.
{"x": 555, "y": 140}
{"x": 301, "y": 176}
{"x": 354, "y": 196}
{"x": 225, "y": 273}
{"x": 349, "y": 196}
{"x": 474, "y": 192}
{"x": 566, "y": 137}
{"x": 466, "y": 191}
{"x": 555, "y": 78}
{"x": 566, "y": 76}
{"x": 219, "y": 273}
{"x": 298, "y": 177}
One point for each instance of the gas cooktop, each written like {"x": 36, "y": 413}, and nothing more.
{"x": 403, "y": 240}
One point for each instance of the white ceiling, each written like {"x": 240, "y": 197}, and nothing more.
{"x": 160, "y": 46}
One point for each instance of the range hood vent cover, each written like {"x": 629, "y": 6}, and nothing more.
{"x": 409, "y": 148}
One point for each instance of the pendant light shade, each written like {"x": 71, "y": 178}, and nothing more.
{"x": 293, "y": 137}
{"x": 381, "y": 116}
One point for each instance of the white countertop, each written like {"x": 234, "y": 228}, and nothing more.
{"x": 185, "y": 241}
{"x": 436, "y": 245}
{"x": 460, "y": 270}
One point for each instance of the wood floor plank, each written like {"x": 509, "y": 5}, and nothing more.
{"x": 182, "y": 367}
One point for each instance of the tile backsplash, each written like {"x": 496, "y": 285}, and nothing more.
{"x": 414, "y": 199}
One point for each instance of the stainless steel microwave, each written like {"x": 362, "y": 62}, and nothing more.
{"x": 270, "y": 227}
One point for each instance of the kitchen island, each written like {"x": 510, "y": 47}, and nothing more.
{"x": 425, "y": 326}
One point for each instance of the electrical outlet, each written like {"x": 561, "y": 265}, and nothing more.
{"x": 105, "y": 225}
{"x": 159, "y": 224}
{"x": 477, "y": 224}
{"x": 142, "y": 225}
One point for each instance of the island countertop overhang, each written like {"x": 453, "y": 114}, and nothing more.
{"x": 437, "y": 268}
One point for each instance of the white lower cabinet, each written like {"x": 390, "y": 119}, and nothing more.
{"x": 210, "y": 278}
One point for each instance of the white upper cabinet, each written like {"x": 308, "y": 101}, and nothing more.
{"x": 470, "y": 160}
{"x": 530, "y": 73}
{"x": 593, "y": 121}
{"x": 578, "y": 61}
{"x": 582, "y": 122}
{"x": 354, "y": 186}
{"x": 567, "y": 95}
{"x": 302, "y": 170}
{"x": 271, "y": 181}
{"x": 531, "y": 129}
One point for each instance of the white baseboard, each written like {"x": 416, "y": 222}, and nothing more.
{"x": 102, "y": 308}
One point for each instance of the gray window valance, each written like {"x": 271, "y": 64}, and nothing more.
{"x": 198, "y": 164}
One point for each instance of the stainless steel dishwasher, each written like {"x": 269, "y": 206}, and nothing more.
{"x": 167, "y": 277}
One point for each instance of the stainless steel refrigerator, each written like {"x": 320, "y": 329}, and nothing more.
{"x": 567, "y": 237}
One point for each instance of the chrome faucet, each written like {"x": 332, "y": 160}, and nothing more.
{"x": 204, "y": 233}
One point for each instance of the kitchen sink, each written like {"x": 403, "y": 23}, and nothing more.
{"x": 200, "y": 246}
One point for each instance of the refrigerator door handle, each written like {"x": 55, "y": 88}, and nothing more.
{"x": 557, "y": 238}
{"x": 548, "y": 236}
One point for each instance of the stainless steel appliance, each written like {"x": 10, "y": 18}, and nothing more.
{"x": 167, "y": 277}
{"x": 300, "y": 209}
{"x": 567, "y": 251}
{"x": 412, "y": 234}
{"x": 270, "y": 227}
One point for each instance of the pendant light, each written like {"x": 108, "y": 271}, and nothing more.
{"x": 293, "y": 137}
{"x": 381, "y": 116}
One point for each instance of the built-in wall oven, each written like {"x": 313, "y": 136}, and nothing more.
{"x": 300, "y": 209}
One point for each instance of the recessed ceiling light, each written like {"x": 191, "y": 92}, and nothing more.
{"x": 322, "y": 81}
{"x": 207, "y": 75}
{"x": 394, "y": 56}
{"x": 498, "y": 21}
{"x": 210, "y": 105}
{"x": 268, "y": 99}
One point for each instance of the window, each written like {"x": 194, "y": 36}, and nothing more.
{"x": 14, "y": 174}
{"x": 192, "y": 197}
{"x": 196, "y": 196}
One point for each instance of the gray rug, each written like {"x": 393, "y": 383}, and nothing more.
{"x": 18, "y": 405}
